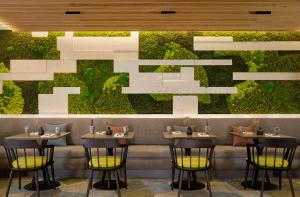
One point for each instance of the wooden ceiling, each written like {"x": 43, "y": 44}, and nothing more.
{"x": 114, "y": 15}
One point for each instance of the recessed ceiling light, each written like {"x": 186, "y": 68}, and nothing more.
{"x": 167, "y": 12}
{"x": 261, "y": 12}
{"x": 72, "y": 12}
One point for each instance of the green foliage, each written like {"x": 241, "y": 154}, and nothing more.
{"x": 242, "y": 36}
{"x": 77, "y": 105}
{"x": 263, "y": 97}
{"x": 175, "y": 51}
{"x": 150, "y": 46}
{"x": 250, "y": 99}
{"x": 112, "y": 100}
{"x": 11, "y": 100}
{"x": 10, "y": 49}
{"x": 98, "y": 82}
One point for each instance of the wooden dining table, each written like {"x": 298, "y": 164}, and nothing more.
{"x": 105, "y": 184}
{"x": 175, "y": 135}
{"x": 46, "y": 184}
{"x": 254, "y": 183}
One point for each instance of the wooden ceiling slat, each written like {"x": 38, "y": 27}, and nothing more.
{"x": 48, "y": 15}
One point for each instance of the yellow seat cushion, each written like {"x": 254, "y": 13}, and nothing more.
{"x": 39, "y": 161}
{"x": 270, "y": 162}
{"x": 192, "y": 162}
{"x": 105, "y": 162}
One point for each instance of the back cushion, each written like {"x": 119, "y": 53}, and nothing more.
{"x": 182, "y": 128}
{"x": 118, "y": 129}
{"x": 238, "y": 141}
{"x": 51, "y": 129}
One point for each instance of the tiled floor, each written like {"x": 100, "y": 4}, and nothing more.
{"x": 148, "y": 188}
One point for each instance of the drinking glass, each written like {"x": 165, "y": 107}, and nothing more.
{"x": 276, "y": 130}
{"x": 241, "y": 129}
{"x": 169, "y": 129}
{"x": 207, "y": 129}
{"x": 57, "y": 130}
{"x": 125, "y": 130}
{"x": 26, "y": 130}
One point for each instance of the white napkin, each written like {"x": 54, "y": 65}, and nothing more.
{"x": 176, "y": 132}
{"x": 48, "y": 135}
{"x": 34, "y": 133}
{"x": 119, "y": 135}
{"x": 271, "y": 135}
{"x": 203, "y": 135}
{"x": 248, "y": 133}
{"x": 101, "y": 132}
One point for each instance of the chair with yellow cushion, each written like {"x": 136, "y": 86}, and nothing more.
{"x": 27, "y": 156}
{"x": 105, "y": 156}
{"x": 272, "y": 155}
{"x": 198, "y": 158}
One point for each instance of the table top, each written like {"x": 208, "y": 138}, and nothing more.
{"x": 264, "y": 136}
{"x": 24, "y": 136}
{"x": 183, "y": 135}
{"x": 129, "y": 135}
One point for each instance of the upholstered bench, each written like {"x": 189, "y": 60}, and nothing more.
{"x": 149, "y": 154}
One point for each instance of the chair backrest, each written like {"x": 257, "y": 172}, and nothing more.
{"x": 273, "y": 153}
{"x": 191, "y": 154}
{"x": 105, "y": 153}
{"x": 27, "y": 154}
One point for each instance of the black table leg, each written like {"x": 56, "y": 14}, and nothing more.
{"x": 187, "y": 184}
{"x": 108, "y": 184}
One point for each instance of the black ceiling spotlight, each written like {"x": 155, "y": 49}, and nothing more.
{"x": 261, "y": 12}
{"x": 165, "y": 12}
{"x": 72, "y": 12}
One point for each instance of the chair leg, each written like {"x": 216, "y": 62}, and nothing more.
{"x": 254, "y": 177}
{"x": 109, "y": 178}
{"x": 267, "y": 177}
{"x": 280, "y": 178}
{"x": 37, "y": 183}
{"x": 246, "y": 174}
{"x": 103, "y": 176}
{"x": 180, "y": 183}
{"x": 118, "y": 177}
{"x": 53, "y": 175}
{"x": 11, "y": 174}
{"x": 291, "y": 183}
{"x": 20, "y": 180}
{"x": 263, "y": 183}
{"x": 117, "y": 182}
{"x": 179, "y": 174}
{"x": 125, "y": 176}
{"x": 89, "y": 183}
{"x": 172, "y": 177}
{"x": 207, "y": 173}
{"x": 189, "y": 179}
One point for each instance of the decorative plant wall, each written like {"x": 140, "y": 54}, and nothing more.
{"x": 100, "y": 87}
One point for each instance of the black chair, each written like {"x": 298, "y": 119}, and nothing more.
{"x": 272, "y": 155}
{"x": 198, "y": 158}
{"x": 106, "y": 156}
{"x": 28, "y": 156}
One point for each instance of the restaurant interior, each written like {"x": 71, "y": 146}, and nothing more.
{"x": 149, "y": 98}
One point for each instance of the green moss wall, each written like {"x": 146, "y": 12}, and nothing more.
{"x": 101, "y": 88}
